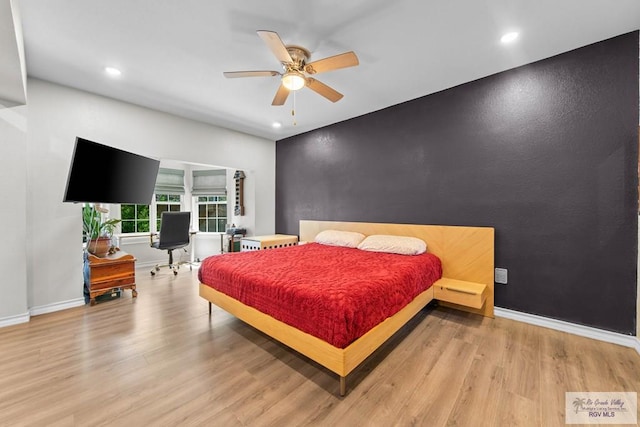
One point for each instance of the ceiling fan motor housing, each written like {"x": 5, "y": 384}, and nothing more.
{"x": 299, "y": 55}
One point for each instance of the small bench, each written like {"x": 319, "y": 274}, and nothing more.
{"x": 256, "y": 243}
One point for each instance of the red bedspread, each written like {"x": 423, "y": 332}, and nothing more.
{"x": 334, "y": 293}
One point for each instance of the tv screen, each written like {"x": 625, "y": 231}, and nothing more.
{"x": 103, "y": 174}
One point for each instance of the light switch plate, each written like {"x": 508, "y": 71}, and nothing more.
{"x": 501, "y": 276}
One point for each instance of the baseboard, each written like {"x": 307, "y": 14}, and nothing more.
{"x": 148, "y": 264}
{"x": 572, "y": 328}
{"x": 151, "y": 264}
{"x": 14, "y": 320}
{"x": 43, "y": 309}
{"x": 57, "y": 306}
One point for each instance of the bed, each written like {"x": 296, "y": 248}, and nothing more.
{"x": 315, "y": 298}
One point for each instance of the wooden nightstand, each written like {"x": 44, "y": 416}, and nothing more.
{"x": 113, "y": 271}
{"x": 468, "y": 294}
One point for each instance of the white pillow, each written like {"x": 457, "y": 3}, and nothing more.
{"x": 350, "y": 239}
{"x": 402, "y": 245}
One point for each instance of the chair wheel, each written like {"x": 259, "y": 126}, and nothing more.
{"x": 175, "y": 273}
{"x": 157, "y": 268}
{"x": 153, "y": 273}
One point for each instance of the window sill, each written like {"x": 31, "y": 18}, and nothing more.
{"x": 132, "y": 238}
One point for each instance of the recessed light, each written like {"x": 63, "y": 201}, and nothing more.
{"x": 276, "y": 125}
{"x": 509, "y": 37}
{"x": 112, "y": 71}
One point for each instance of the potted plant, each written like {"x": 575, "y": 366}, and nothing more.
{"x": 98, "y": 232}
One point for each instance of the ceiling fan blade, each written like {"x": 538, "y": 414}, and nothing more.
{"x": 273, "y": 41}
{"x": 281, "y": 96}
{"x": 324, "y": 90}
{"x": 234, "y": 74}
{"x": 344, "y": 60}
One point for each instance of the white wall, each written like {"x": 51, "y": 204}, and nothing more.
{"x": 13, "y": 184}
{"x": 56, "y": 115}
{"x": 12, "y": 63}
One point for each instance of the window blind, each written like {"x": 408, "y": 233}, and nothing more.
{"x": 170, "y": 181}
{"x": 210, "y": 182}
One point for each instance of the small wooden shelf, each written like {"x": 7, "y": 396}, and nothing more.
{"x": 469, "y": 294}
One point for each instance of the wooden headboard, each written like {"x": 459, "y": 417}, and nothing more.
{"x": 467, "y": 253}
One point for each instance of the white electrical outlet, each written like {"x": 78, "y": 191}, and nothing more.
{"x": 501, "y": 276}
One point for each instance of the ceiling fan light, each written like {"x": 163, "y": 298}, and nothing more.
{"x": 293, "y": 80}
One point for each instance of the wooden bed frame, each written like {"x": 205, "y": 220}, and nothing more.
{"x": 467, "y": 254}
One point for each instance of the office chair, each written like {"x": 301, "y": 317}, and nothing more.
{"x": 174, "y": 234}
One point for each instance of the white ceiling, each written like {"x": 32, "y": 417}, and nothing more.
{"x": 172, "y": 53}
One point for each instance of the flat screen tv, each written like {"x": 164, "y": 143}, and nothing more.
{"x": 103, "y": 174}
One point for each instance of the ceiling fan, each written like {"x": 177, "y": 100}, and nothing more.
{"x": 296, "y": 69}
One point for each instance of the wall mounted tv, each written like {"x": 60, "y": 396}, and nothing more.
{"x": 103, "y": 174}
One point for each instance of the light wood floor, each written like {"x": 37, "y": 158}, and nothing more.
{"x": 160, "y": 360}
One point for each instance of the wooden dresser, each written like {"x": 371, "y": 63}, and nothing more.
{"x": 111, "y": 272}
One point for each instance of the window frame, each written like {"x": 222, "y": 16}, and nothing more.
{"x": 136, "y": 220}
{"x": 157, "y": 214}
{"x": 197, "y": 203}
{"x": 154, "y": 218}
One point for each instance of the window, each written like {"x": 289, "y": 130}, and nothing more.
{"x": 210, "y": 191}
{"x": 212, "y": 214}
{"x": 135, "y": 218}
{"x": 166, "y": 203}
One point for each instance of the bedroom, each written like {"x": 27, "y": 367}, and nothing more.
{"x": 532, "y": 247}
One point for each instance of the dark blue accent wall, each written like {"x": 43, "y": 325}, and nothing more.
{"x": 546, "y": 153}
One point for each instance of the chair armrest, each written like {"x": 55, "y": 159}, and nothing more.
{"x": 151, "y": 236}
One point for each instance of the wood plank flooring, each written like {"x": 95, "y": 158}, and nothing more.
{"x": 160, "y": 360}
